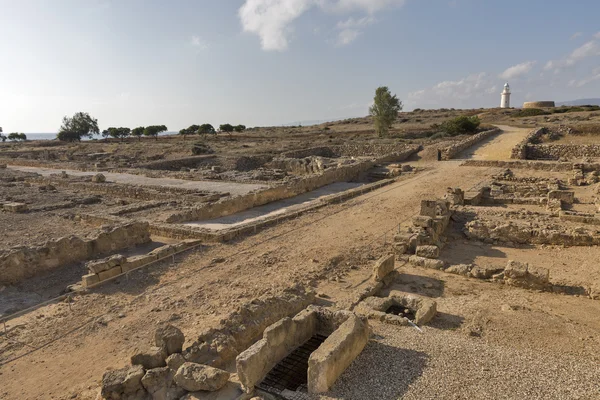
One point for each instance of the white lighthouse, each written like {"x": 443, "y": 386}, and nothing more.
{"x": 505, "y": 102}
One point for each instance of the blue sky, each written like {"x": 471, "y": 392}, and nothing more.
{"x": 269, "y": 62}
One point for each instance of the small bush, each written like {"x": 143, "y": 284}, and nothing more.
{"x": 461, "y": 125}
{"x": 439, "y": 135}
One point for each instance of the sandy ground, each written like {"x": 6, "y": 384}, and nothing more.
{"x": 488, "y": 341}
{"x": 497, "y": 147}
{"x": 131, "y": 179}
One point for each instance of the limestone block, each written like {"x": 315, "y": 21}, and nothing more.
{"x": 459, "y": 269}
{"x": 336, "y": 354}
{"x": 232, "y": 390}
{"x": 426, "y": 262}
{"x": 137, "y": 261}
{"x": 159, "y": 383}
{"x": 383, "y": 266}
{"x": 162, "y": 251}
{"x": 422, "y": 221}
{"x": 97, "y": 266}
{"x": 89, "y": 280}
{"x": 170, "y": 338}
{"x": 174, "y": 361}
{"x": 565, "y": 196}
{"x": 194, "y": 377}
{"x": 111, "y": 273}
{"x": 120, "y": 382}
{"x": 2, "y": 166}
{"x": 428, "y": 208}
{"x": 400, "y": 248}
{"x": 428, "y": 251}
{"x": 15, "y": 207}
{"x": 153, "y": 358}
{"x": 484, "y": 272}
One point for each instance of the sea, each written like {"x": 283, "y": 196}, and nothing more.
{"x": 52, "y": 136}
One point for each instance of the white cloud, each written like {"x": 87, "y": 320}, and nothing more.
{"x": 453, "y": 92}
{"x": 198, "y": 42}
{"x": 272, "y": 20}
{"x": 349, "y": 30}
{"x": 587, "y": 50}
{"x": 517, "y": 70}
{"x": 576, "y": 35}
{"x": 347, "y": 36}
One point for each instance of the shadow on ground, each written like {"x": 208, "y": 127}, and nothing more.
{"x": 381, "y": 371}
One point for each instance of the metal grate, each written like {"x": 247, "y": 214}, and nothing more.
{"x": 291, "y": 373}
{"x": 401, "y": 311}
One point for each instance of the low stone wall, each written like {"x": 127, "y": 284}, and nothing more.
{"x": 110, "y": 267}
{"x": 524, "y": 233}
{"x": 519, "y": 152}
{"x": 558, "y": 151}
{"x": 451, "y": 151}
{"x": 522, "y": 164}
{"x": 349, "y": 150}
{"x": 311, "y": 182}
{"x": 328, "y": 152}
{"x": 347, "y": 336}
{"x": 24, "y": 262}
{"x": 177, "y": 164}
{"x": 242, "y": 328}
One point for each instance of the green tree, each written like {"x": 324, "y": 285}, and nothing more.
{"x": 226, "y": 128}
{"x": 2, "y": 137}
{"x": 16, "y": 136}
{"x": 154, "y": 130}
{"x": 118, "y": 133}
{"x": 138, "y": 132}
{"x": 77, "y": 127}
{"x": 460, "y": 125}
{"x": 206, "y": 129}
{"x": 384, "y": 110}
{"x": 239, "y": 128}
{"x": 191, "y": 130}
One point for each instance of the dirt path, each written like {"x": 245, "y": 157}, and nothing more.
{"x": 233, "y": 188}
{"x": 498, "y": 147}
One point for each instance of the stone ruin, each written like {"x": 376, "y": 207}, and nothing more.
{"x": 168, "y": 371}
{"x": 426, "y": 237}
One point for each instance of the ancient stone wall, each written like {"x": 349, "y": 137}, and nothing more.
{"x": 456, "y": 148}
{"x": 558, "y": 151}
{"x": 347, "y": 336}
{"x": 242, "y": 328}
{"x": 177, "y": 164}
{"x": 519, "y": 152}
{"x": 522, "y": 164}
{"x": 24, "y": 262}
{"x": 349, "y": 150}
{"x": 299, "y": 186}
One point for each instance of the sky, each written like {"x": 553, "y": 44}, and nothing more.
{"x": 270, "y": 62}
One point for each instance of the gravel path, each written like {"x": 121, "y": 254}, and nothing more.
{"x": 400, "y": 362}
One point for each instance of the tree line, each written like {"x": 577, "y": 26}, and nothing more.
{"x": 14, "y": 136}
{"x": 82, "y": 125}
{"x": 206, "y": 129}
